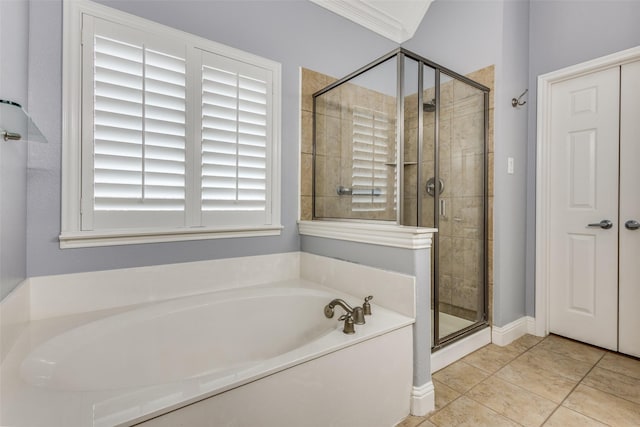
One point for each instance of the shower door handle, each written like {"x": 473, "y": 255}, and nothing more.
{"x": 604, "y": 224}
{"x": 632, "y": 224}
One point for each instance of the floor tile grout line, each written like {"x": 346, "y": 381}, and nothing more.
{"x": 517, "y": 385}
{"x": 572, "y": 390}
{"x": 611, "y": 394}
{"x": 618, "y": 372}
{"x": 593, "y": 347}
{"x": 491, "y": 374}
{"x": 510, "y": 359}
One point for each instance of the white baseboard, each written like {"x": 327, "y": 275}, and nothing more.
{"x": 423, "y": 399}
{"x": 457, "y": 350}
{"x": 531, "y": 325}
{"x": 505, "y": 335}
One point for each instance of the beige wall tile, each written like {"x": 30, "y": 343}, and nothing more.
{"x": 312, "y": 82}
{"x": 490, "y": 173}
{"x": 306, "y": 130}
{"x": 307, "y": 165}
{"x": 306, "y": 213}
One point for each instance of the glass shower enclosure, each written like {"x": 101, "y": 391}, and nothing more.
{"x": 403, "y": 141}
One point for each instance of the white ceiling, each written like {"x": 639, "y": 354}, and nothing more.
{"x": 397, "y": 20}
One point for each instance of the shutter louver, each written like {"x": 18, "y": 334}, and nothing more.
{"x": 139, "y": 128}
{"x": 234, "y": 141}
{"x": 370, "y": 152}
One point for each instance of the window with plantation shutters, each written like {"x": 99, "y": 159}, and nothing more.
{"x": 235, "y": 137}
{"x": 134, "y": 124}
{"x": 370, "y": 150}
{"x": 139, "y": 128}
{"x": 176, "y": 137}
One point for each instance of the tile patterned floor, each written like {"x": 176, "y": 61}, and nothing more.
{"x": 532, "y": 382}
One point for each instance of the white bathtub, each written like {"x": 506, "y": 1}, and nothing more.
{"x": 130, "y": 365}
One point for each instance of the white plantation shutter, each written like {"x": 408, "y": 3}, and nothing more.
{"x": 235, "y": 139}
{"x": 138, "y": 129}
{"x": 370, "y": 150}
{"x": 178, "y": 136}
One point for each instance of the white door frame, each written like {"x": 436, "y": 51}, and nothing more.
{"x": 545, "y": 83}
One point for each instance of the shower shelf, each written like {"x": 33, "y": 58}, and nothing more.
{"x": 16, "y": 124}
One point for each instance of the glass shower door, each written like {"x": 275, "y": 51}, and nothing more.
{"x": 456, "y": 191}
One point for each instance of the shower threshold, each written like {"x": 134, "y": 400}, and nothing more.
{"x": 450, "y": 324}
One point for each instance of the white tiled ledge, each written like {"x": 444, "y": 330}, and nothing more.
{"x": 398, "y": 236}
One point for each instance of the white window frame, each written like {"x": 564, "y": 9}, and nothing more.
{"x": 72, "y": 234}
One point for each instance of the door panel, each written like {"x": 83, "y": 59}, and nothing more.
{"x": 629, "y": 333}
{"x": 582, "y": 285}
{"x": 584, "y": 172}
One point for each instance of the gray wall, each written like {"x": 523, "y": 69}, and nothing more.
{"x": 564, "y": 33}
{"x": 463, "y": 35}
{"x": 510, "y": 189}
{"x": 295, "y": 33}
{"x": 14, "y": 45}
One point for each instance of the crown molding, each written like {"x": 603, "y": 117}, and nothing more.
{"x": 396, "y": 20}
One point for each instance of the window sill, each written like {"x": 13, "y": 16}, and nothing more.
{"x": 86, "y": 239}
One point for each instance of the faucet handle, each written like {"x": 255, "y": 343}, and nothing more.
{"x": 366, "y": 306}
{"x": 348, "y": 323}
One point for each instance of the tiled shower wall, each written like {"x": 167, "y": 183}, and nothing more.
{"x": 460, "y": 168}
{"x": 335, "y": 149}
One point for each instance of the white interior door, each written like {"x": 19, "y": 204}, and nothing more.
{"x": 629, "y": 332}
{"x": 584, "y": 155}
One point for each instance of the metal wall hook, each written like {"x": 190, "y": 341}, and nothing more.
{"x": 516, "y": 102}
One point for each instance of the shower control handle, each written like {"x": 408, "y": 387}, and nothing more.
{"x": 632, "y": 224}
{"x": 604, "y": 224}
